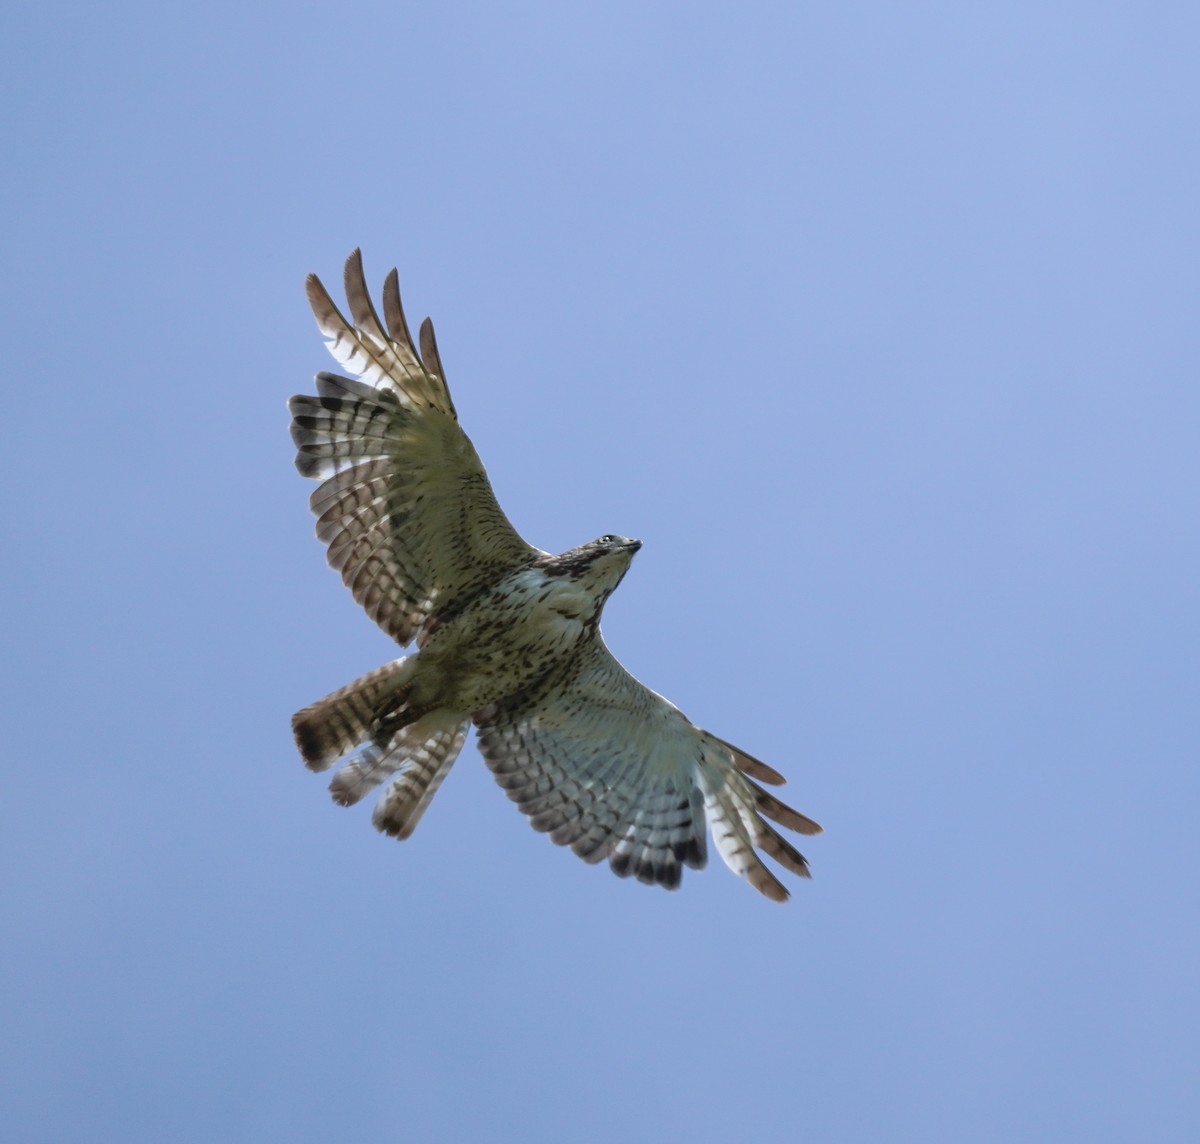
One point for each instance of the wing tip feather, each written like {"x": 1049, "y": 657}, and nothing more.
{"x": 329, "y": 319}
{"x": 749, "y": 765}
{"x": 393, "y": 310}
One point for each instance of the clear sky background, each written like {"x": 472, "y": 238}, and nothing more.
{"x": 877, "y": 323}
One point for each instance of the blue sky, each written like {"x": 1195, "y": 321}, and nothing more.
{"x": 876, "y": 323}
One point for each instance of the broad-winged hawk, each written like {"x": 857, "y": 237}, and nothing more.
{"x": 508, "y": 636}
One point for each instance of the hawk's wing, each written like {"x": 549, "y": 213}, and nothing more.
{"x": 611, "y": 769}
{"x": 407, "y": 511}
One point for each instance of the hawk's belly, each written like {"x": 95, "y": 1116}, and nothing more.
{"x": 504, "y": 640}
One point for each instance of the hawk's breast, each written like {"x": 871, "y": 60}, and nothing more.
{"x": 506, "y": 639}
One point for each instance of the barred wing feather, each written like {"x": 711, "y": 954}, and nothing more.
{"x": 405, "y": 507}
{"x": 610, "y": 768}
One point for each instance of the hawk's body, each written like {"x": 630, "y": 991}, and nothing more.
{"x": 508, "y": 636}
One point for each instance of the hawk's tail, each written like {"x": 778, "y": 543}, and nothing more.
{"x": 327, "y": 729}
{"x": 370, "y": 714}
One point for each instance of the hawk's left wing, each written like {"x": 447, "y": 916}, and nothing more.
{"x": 613, "y": 770}
{"x": 405, "y": 506}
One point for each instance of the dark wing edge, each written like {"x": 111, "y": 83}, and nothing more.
{"x": 608, "y": 767}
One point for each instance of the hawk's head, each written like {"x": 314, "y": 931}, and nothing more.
{"x": 598, "y": 565}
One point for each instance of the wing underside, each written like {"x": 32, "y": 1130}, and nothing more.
{"x": 405, "y": 506}
{"x": 606, "y": 766}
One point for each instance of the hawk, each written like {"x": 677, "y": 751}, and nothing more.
{"x": 507, "y": 636}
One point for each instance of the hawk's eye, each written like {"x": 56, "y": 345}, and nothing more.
{"x": 608, "y": 538}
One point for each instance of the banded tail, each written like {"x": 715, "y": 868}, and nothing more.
{"x": 369, "y": 725}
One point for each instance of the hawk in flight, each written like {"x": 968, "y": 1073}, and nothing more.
{"x": 508, "y": 636}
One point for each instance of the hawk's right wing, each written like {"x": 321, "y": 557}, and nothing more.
{"x": 613, "y": 770}
{"x": 406, "y": 508}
